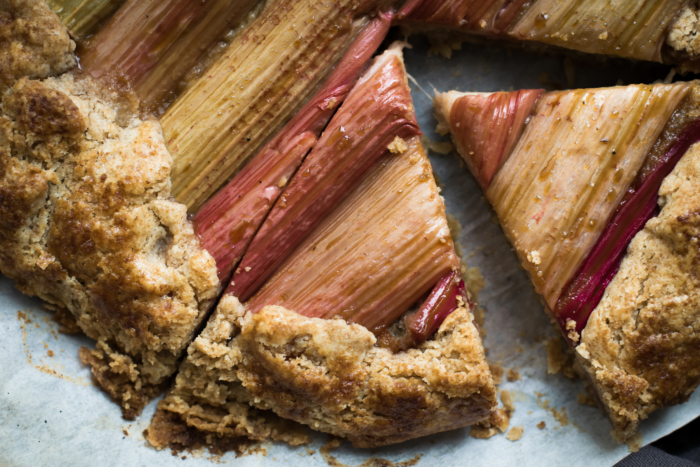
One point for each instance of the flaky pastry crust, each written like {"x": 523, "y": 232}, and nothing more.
{"x": 641, "y": 346}
{"x": 87, "y": 223}
{"x": 326, "y": 374}
{"x": 33, "y": 42}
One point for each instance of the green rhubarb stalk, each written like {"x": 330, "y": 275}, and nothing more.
{"x": 161, "y": 45}
{"x": 264, "y": 77}
{"x": 82, "y": 17}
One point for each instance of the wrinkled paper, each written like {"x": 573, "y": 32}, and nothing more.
{"x": 51, "y": 413}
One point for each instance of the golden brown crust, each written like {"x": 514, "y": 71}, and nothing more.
{"x": 641, "y": 344}
{"x": 33, "y": 42}
{"x": 329, "y": 375}
{"x": 87, "y": 223}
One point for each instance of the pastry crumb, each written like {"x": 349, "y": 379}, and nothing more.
{"x": 585, "y": 399}
{"x": 480, "y": 431}
{"x": 497, "y": 372}
{"x": 512, "y": 375}
{"x": 398, "y": 146}
{"x": 635, "y": 443}
{"x": 515, "y": 433}
{"x": 534, "y": 257}
{"x": 542, "y": 425}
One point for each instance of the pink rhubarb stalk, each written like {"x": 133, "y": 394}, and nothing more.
{"x": 638, "y": 206}
{"x": 377, "y": 110}
{"x": 156, "y": 43}
{"x": 491, "y": 124}
{"x": 480, "y": 16}
{"x": 227, "y": 222}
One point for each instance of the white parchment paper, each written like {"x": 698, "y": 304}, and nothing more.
{"x": 51, "y": 414}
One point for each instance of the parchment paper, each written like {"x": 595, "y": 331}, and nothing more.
{"x": 51, "y": 414}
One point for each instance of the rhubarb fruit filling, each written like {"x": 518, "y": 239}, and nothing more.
{"x": 585, "y": 184}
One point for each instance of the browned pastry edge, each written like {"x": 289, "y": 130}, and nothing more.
{"x": 641, "y": 346}
{"x": 33, "y": 42}
{"x": 328, "y": 375}
{"x": 87, "y": 223}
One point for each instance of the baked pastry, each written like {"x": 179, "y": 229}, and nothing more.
{"x": 274, "y": 352}
{"x": 596, "y": 189}
{"x": 87, "y": 223}
{"x": 660, "y": 31}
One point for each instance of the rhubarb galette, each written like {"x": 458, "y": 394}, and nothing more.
{"x": 597, "y": 189}
{"x": 344, "y": 306}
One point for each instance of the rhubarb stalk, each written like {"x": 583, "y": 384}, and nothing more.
{"x": 382, "y": 249}
{"x": 480, "y": 16}
{"x": 417, "y": 326}
{"x": 639, "y": 205}
{"x": 228, "y": 221}
{"x": 263, "y": 78}
{"x": 577, "y": 157}
{"x": 378, "y": 109}
{"x": 492, "y": 123}
{"x": 160, "y": 44}
{"x": 81, "y": 17}
{"x": 634, "y": 29}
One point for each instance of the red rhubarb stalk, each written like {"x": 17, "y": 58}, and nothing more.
{"x": 377, "y": 110}
{"x": 638, "y": 206}
{"x": 481, "y": 16}
{"x": 227, "y": 222}
{"x": 490, "y": 126}
{"x": 418, "y": 326}
{"x": 440, "y": 303}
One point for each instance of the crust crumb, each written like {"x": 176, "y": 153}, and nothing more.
{"x": 542, "y": 425}
{"x": 497, "y": 372}
{"x": 635, "y": 443}
{"x": 398, "y": 146}
{"x": 571, "y": 330}
{"x": 584, "y": 399}
{"x": 515, "y": 433}
{"x": 512, "y": 375}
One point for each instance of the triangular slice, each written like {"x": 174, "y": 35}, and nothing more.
{"x": 382, "y": 257}
{"x": 579, "y": 196}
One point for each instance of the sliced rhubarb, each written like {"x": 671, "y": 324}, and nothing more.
{"x": 635, "y": 29}
{"x": 159, "y": 44}
{"x": 487, "y": 127}
{"x": 639, "y": 205}
{"x": 378, "y": 109}
{"x": 82, "y": 17}
{"x": 416, "y": 327}
{"x": 484, "y": 16}
{"x": 577, "y": 157}
{"x": 263, "y": 78}
{"x": 380, "y": 251}
{"x": 228, "y": 221}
